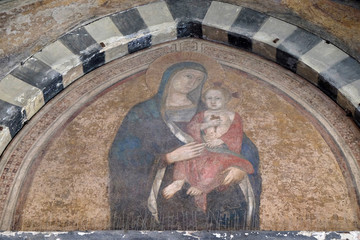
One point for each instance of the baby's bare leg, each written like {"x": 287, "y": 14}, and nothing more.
{"x": 170, "y": 190}
{"x": 193, "y": 191}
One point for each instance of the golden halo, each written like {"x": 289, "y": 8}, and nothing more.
{"x": 157, "y": 68}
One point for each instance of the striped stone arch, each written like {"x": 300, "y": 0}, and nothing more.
{"x": 41, "y": 77}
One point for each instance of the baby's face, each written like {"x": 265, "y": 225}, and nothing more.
{"x": 215, "y": 99}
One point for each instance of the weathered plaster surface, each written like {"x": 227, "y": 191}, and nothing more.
{"x": 301, "y": 174}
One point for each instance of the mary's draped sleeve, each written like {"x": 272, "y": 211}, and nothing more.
{"x": 138, "y": 151}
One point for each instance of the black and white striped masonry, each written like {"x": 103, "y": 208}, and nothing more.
{"x": 32, "y": 84}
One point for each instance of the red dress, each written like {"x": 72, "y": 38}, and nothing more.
{"x": 204, "y": 172}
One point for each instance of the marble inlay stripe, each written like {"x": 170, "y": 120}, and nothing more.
{"x": 189, "y": 16}
{"x": 155, "y": 14}
{"x": 246, "y": 25}
{"x": 189, "y": 9}
{"x": 189, "y": 29}
{"x": 139, "y": 44}
{"x": 11, "y": 116}
{"x": 129, "y": 22}
{"x": 62, "y": 60}
{"x": 105, "y": 32}
{"x": 270, "y": 36}
{"x": 59, "y": 57}
{"x": 5, "y": 137}
{"x": 40, "y": 75}
{"x": 159, "y": 21}
{"x": 339, "y": 75}
{"x": 357, "y": 115}
{"x": 81, "y": 43}
{"x": 22, "y": 94}
{"x": 342, "y": 73}
{"x": 218, "y": 21}
{"x": 349, "y": 96}
{"x": 221, "y": 15}
{"x": 248, "y": 22}
{"x": 293, "y": 47}
{"x": 318, "y": 59}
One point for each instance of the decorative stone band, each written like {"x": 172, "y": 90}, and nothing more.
{"x": 32, "y": 84}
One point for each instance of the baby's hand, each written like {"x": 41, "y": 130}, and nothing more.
{"x": 214, "y": 123}
{"x": 214, "y": 143}
{"x": 210, "y": 123}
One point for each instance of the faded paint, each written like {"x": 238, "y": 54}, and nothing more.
{"x": 288, "y": 154}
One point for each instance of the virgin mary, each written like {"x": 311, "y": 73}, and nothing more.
{"x": 151, "y": 138}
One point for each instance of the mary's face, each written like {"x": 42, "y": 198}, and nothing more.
{"x": 187, "y": 80}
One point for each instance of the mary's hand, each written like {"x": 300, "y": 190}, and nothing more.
{"x": 233, "y": 175}
{"x": 214, "y": 143}
{"x": 186, "y": 152}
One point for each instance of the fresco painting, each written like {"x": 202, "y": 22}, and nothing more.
{"x": 165, "y": 130}
{"x": 188, "y": 144}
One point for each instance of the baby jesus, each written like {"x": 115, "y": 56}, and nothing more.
{"x": 221, "y": 131}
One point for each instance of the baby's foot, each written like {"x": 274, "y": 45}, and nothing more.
{"x": 193, "y": 191}
{"x": 174, "y": 187}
